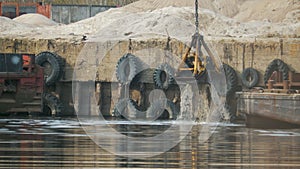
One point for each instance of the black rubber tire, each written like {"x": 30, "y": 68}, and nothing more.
{"x": 127, "y": 61}
{"x": 163, "y": 69}
{"x": 170, "y": 112}
{"x": 253, "y": 74}
{"x": 52, "y": 105}
{"x": 56, "y": 63}
{"x": 276, "y": 65}
{"x": 231, "y": 80}
{"x": 207, "y": 91}
{"x": 230, "y": 111}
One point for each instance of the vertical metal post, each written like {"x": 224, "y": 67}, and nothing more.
{"x": 286, "y": 84}
{"x": 270, "y": 84}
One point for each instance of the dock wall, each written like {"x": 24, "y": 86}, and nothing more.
{"x": 237, "y": 52}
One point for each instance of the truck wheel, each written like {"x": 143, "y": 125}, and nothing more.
{"x": 250, "y": 77}
{"x": 127, "y": 68}
{"x": 163, "y": 76}
{"x": 52, "y": 105}
{"x": 276, "y": 65}
{"x": 231, "y": 79}
{"x": 52, "y": 64}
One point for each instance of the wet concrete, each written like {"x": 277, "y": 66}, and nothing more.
{"x": 52, "y": 143}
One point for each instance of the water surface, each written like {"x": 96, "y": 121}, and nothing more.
{"x": 57, "y": 143}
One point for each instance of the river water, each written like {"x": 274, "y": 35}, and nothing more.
{"x": 62, "y": 143}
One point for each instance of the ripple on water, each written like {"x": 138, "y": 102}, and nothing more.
{"x": 63, "y": 144}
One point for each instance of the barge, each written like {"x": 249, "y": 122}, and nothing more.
{"x": 270, "y": 110}
{"x": 277, "y": 106}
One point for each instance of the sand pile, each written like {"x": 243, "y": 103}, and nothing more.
{"x": 271, "y": 10}
{"x": 120, "y": 24}
{"x": 226, "y": 7}
{"x": 148, "y": 17}
{"x": 242, "y": 10}
{"x": 221, "y": 18}
{"x": 35, "y": 20}
{"x": 7, "y": 25}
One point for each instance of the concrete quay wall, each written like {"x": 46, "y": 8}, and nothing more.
{"x": 237, "y": 52}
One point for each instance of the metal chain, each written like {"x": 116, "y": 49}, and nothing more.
{"x": 167, "y": 48}
{"x": 130, "y": 46}
{"x": 196, "y": 16}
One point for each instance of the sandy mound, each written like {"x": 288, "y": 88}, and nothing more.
{"x": 35, "y": 20}
{"x": 242, "y": 10}
{"x": 170, "y": 20}
{"x": 144, "y": 18}
{"x": 271, "y": 10}
{"x": 8, "y": 25}
{"x": 178, "y": 22}
{"x": 226, "y": 7}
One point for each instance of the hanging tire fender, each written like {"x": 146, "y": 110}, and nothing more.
{"x": 231, "y": 79}
{"x": 230, "y": 114}
{"x": 55, "y": 63}
{"x": 52, "y": 105}
{"x": 127, "y": 68}
{"x": 276, "y": 65}
{"x": 254, "y": 78}
{"x": 163, "y": 70}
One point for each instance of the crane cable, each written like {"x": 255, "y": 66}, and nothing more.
{"x": 196, "y": 16}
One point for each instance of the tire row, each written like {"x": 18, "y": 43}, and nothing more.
{"x": 163, "y": 76}
{"x": 250, "y": 77}
{"x": 53, "y": 66}
{"x": 128, "y": 66}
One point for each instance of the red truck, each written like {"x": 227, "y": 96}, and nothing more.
{"x": 23, "y": 82}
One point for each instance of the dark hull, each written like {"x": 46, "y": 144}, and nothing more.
{"x": 275, "y": 110}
